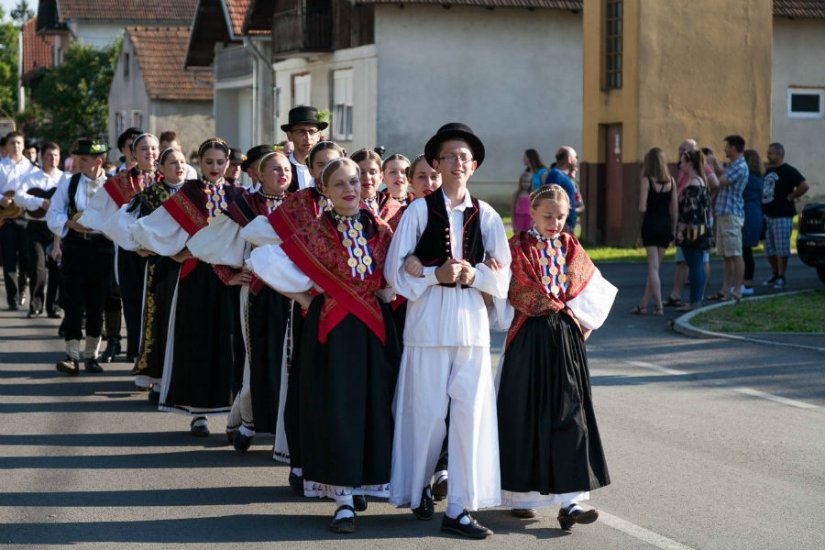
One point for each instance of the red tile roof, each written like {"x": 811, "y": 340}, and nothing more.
{"x": 237, "y": 11}
{"x": 127, "y": 10}
{"x": 573, "y": 5}
{"x": 804, "y": 9}
{"x": 160, "y": 52}
{"x": 37, "y": 49}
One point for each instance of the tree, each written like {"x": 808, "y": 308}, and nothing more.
{"x": 74, "y": 95}
{"x": 8, "y": 65}
{"x": 21, "y": 13}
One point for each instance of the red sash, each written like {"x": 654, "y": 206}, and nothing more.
{"x": 527, "y": 293}
{"x": 191, "y": 219}
{"x": 298, "y": 211}
{"x": 123, "y": 186}
{"x": 318, "y": 252}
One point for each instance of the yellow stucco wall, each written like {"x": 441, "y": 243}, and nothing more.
{"x": 698, "y": 69}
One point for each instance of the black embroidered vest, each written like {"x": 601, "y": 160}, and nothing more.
{"x": 433, "y": 248}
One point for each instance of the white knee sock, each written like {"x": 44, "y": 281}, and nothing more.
{"x": 344, "y": 500}
{"x": 454, "y": 510}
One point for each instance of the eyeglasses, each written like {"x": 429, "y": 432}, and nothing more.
{"x": 452, "y": 159}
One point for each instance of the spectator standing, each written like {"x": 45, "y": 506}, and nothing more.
{"x": 730, "y": 215}
{"x": 535, "y": 168}
{"x": 783, "y": 185}
{"x": 752, "y": 229}
{"x": 657, "y": 203}
{"x": 521, "y": 204}
{"x": 566, "y": 162}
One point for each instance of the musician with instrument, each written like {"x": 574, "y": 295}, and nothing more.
{"x": 33, "y": 196}
{"x": 12, "y": 227}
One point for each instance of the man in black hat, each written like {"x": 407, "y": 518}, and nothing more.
{"x": 88, "y": 256}
{"x": 304, "y": 131}
{"x": 445, "y": 368}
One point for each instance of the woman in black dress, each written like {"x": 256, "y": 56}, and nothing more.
{"x": 657, "y": 203}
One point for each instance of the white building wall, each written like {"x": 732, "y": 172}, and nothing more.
{"x": 362, "y": 61}
{"x": 191, "y": 120}
{"x": 99, "y": 35}
{"x": 797, "y": 62}
{"x": 127, "y": 96}
{"x": 512, "y": 75}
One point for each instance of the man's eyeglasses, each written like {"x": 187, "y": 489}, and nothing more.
{"x": 452, "y": 159}
{"x": 304, "y": 131}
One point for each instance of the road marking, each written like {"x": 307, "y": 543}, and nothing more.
{"x": 638, "y": 532}
{"x": 776, "y": 398}
{"x": 657, "y": 368}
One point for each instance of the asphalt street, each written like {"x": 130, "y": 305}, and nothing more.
{"x": 711, "y": 443}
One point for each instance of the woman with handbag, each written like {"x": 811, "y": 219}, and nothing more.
{"x": 693, "y": 232}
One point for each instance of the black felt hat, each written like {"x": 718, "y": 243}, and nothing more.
{"x": 454, "y": 130}
{"x": 254, "y": 155}
{"x": 236, "y": 157}
{"x": 90, "y": 147}
{"x": 303, "y": 114}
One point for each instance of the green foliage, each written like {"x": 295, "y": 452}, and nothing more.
{"x": 74, "y": 95}
{"x": 22, "y": 12}
{"x": 8, "y": 66}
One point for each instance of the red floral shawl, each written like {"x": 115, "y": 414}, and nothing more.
{"x": 318, "y": 252}
{"x": 299, "y": 210}
{"x": 124, "y": 185}
{"x": 527, "y": 293}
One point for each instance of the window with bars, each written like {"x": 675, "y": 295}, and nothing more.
{"x": 613, "y": 32}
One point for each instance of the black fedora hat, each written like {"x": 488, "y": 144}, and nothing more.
{"x": 254, "y": 154}
{"x": 236, "y": 157}
{"x": 90, "y": 147}
{"x": 454, "y": 130}
{"x": 303, "y": 114}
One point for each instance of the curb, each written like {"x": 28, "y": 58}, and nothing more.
{"x": 682, "y": 325}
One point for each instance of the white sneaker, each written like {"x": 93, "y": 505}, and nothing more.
{"x": 746, "y": 291}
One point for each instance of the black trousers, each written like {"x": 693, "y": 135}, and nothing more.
{"x": 131, "y": 269}
{"x": 87, "y": 275}
{"x": 15, "y": 259}
{"x": 39, "y": 238}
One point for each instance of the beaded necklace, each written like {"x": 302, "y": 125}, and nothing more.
{"x": 403, "y": 200}
{"x": 552, "y": 263}
{"x": 215, "y": 198}
{"x": 272, "y": 201}
{"x": 372, "y": 204}
{"x": 351, "y": 231}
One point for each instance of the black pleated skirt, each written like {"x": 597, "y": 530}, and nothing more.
{"x": 161, "y": 278}
{"x": 200, "y": 374}
{"x": 267, "y": 317}
{"x": 548, "y": 438}
{"x": 347, "y": 388}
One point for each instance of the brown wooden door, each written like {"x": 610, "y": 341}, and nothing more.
{"x": 614, "y": 182}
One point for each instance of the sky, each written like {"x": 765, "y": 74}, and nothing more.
{"x": 8, "y": 5}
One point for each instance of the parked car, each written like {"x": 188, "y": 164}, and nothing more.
{"x": 810, "y": 242}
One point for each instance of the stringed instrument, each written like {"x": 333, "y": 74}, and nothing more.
{"x": 40, "y": 213}
{"x": 11, "y": 211}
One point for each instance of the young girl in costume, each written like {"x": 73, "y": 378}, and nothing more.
{"x": 349, "y": 350}
{"x": 423, "y": 179}
{"x": 521, "y": 204}
{"x": 550, "y": 449}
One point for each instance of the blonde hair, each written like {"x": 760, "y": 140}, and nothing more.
{"x": 552, "y": 192}
{"x": 333, "y": 165}
{"x": 267, "y": 157}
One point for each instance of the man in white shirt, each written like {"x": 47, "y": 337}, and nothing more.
{"x": 304, "y": 131}
{"x": 13, "y": 232}
{"x": 88, "y": 256}
{"x": 33, "y": 195}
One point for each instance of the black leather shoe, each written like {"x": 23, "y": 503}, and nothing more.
{"x": 343, "y": 525}
{"x": 297, "y": 484}
{"x": 153, "y": 395}
{"x": 472, "y": 530}
{"x": 69, "y": 366}
{"x": 91, "y": 365}
{"x": 33, "y": 313}
{"x": 241, "y": 442}
{"x": 523, "y": 513}
{"x": 576, "y": 514}
{"x": 111, "y": 351}
{"x": 440, "y": 486}
{"x": 14, "y": 307}
{"x": 360, "y": 502}
{"x": 54, "y": 315}
{"x": 200, "y": 429}
{"x": 426, "y": 508}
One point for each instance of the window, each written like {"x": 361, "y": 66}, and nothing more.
{"x": 612, "y": 47}
{"x": 342, "y": 104}
{"x": 137, "y": 119}
{"x": 127, "y": 62}
{"x": 119, "y": 126}
{"x": 301, "y": 88}
{"x": 806, "y": 103}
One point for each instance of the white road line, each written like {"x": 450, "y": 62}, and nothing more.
{"x": 657, "y": 368}
{"x": 776, "y": 398}
{"x": 638, "y": 532}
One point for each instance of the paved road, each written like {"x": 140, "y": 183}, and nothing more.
{"x": 711, "y": 444}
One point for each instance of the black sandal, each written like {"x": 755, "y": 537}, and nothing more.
{"x": 343, "y": 525}
{"x": 673, "y": 301}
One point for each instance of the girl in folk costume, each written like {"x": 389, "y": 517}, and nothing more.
{"x": 197, "y": 371}
{"x": 349, "y": 349}
{"x": 423, "y": 179}
{"x": 264, "y": 312}
{"x": 369, "y": 163}
{"x": 129, "y": 266}
{"x": 161, "y": 271}
{"x": 396, "y": 174}
{"x": 299, "y": 211}
{"x": 550, "y": 450}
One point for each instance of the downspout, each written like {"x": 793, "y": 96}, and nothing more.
{"x": 260, "y": 57}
